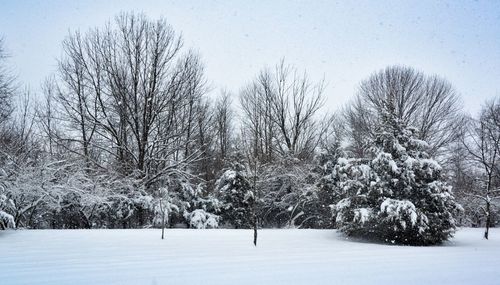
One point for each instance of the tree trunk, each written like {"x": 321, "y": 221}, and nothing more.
{"x": 162, "y": 221}
{"x": 488, "y": 219}
{"x": 255, "y": 230}
{"x": 255, "y": 200}
{"x": 163, "y": 230}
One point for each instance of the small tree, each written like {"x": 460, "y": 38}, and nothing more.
{"x": 164, "y": 208}
{"x": 482, "y": 141}
{"x": 235, "y": 193}
{"x": 251, "y": 198}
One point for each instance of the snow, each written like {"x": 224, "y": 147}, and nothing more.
{"x": 394, "y": 166}
{"x": 7, "y": 219}
{"x": 384, "y": 157}
{"x": 432, "y": 164}
{"x": 396, "y": 208}
{"x": 344, "y": 203}
{"x": 230, "y": 175}
{"x": 200, "y": 219}
{"x": 362, "y": 215}
{"x": 342, "y": 161}
{"x": 228, "y": 257}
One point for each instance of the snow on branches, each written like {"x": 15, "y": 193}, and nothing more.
{"x": 6, "y": 220}
{"x": 399, "y": 196}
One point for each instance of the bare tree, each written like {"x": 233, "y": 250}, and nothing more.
{"x": 223, "y": 121}
{"x": 482, "y": 140}
{"x": 252, "y": 197}
{"x": 46, "y": 115}
{"x": 131, "y": 96}
{"x": 165, "y": 207}
{"x": 71, "y": 94}
{"x": 279, "y": 112}
{"x": 7, "y": 86}
{"x": 428, "y": 103}
{"x": 256, "y": 123}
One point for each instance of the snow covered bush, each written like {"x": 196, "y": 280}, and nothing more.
{"x": 183, "y": 202}
{"x": 200, "y": 219}
{"x": 6, "y": 220}
{"x": 399, "y": 196}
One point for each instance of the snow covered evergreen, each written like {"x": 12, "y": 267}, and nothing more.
{"x": 399, "y": 196}
{"x": 185, "y": 203}
{"x": 234, "y": 191}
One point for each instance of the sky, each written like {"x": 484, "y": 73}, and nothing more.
{"x": 340, "y": 41}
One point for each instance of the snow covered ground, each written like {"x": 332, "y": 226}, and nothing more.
{"x": 228, "y": 257}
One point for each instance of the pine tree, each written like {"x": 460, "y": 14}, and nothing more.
{"x": 399, "y": 196}
{"x": 235, "y": 194}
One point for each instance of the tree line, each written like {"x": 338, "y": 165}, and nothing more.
{"x": 125, "y": 135}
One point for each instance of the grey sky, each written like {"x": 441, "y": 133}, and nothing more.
{"x": 344, "y": 41}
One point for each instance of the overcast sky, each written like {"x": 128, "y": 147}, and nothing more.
{"x": 344, "y": 41}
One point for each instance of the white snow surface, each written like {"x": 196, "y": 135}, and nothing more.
{"x": 229, "y": 257}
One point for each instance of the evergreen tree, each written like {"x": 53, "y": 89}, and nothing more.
{"x": 235, "y": 194}
{"x": 399, "y": 196}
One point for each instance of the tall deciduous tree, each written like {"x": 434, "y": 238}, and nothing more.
{"x": 7, "y": 86}
{"x": 130, "y": 97}
{"x": 481, "y": 138}
{"x": 428, "y": 103}
{"x": 280, "y": 109}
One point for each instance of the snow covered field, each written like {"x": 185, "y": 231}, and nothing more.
{"x": 228, "y": 257}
